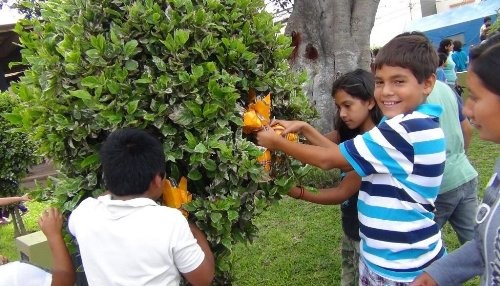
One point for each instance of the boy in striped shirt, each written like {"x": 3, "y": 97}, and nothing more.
{"x": 401, "y": 162}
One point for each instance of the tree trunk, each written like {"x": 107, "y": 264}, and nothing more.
{"x": 331, "y": 37}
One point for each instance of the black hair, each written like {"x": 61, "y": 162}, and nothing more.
{"x": 359, "y": 84}
{"x": 410, "y": 50}
{"x": 130, "y": 159}
{"x": 485, "y": 63}
{"x": 442, "y": 58}
{"x": 443, "y": 44}
{"x": 457, "y": 46}
{"x": 486, "y": 19}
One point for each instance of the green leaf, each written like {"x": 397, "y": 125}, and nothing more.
{"x": 210, "y": 110}
{"x": 200, "y": 148}
{"x": 93, "y": 54}
{"x": 194, "y": 175}
{"x": 194, "y": 107}
{"x": 216, "y": 217}
{"x": 232, "y": 215}
{"x": 82, "y": 94}
{"x": 191, "y": 140}
{"x": 131, "y": 65}
{"x": 130, "y": 48}
{"x": 181, "y": 36}
{"x": 197, "y": 71}
{"x": 132, "y": 106}
{"x": 98, "y": 42}
{"x": 160, "y": 64}
{"x": 13, "y": 118}
{"x": 90, "y": 160}
{"x": 90, "y": 81}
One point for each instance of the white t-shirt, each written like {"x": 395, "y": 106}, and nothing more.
{"x": 133, "y": 242}
{"x": 23, "y": 274}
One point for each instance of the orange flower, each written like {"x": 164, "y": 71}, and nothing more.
{"x": 176, "y": 196}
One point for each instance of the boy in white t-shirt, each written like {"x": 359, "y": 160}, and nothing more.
{"x": 125, "y": 237}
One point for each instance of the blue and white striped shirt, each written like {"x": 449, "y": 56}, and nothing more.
{"x": 401, "y": 163}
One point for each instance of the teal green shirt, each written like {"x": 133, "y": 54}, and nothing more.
{"x": 457, "y": 169}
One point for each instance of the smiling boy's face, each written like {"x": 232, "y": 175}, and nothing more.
{"x": 397, "y": 90}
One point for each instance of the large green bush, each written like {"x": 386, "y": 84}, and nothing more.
{"x": 182, "y": 70}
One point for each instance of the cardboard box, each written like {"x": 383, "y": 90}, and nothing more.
{"x": 35, "y": 249}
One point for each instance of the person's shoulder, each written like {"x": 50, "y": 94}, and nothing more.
{"x": 88, "y": 202}
{"x": 440, "y": 90}
{"x": 166, "y": 212}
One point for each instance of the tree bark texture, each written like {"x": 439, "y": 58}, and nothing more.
{"x": 330, "y": 37}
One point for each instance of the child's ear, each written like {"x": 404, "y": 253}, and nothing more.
{"x": 429, "y": 84}
{"x": 157, "y": 181}
{"x": 371, "y": 103}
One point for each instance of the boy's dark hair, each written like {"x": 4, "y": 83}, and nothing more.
{"x": 486, "y": 19}
{"x": 457, "y": 46}
{"x": 485, "y": 62}
{"x": 411, "y": 51}
{"x": 442, "y": 58}
{"x": 359, "y": 84}
{"x": 130, "y": 159}
{"x": 443, "y": 44}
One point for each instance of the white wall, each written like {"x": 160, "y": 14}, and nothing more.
{"x": 443, "y": 5}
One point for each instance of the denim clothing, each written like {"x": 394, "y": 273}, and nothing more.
{"x": 479, "y": 256}
{"x": 458, "y": 207}
{"x": 350, "y": 262}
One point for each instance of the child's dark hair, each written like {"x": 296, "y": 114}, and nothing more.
{"x": 130, "y": 159}
{"x": 410, "y": 51}
{"x": 457, "y": 46}
{"x": 359, "y": 84}
{"x": 485, "y": 62}
{"x": 442, "y": 58}
{"x": 443, "y": 44}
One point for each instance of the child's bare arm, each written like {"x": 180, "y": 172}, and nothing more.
{"x": 331, "y": 196}
{"x": 319, "y": 156}
{"x": 13, "y": 200}
{"x": 204, "y": 274}
{"x": 63, "y": 271}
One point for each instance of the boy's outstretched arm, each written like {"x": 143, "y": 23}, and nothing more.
{"x": 331, "y": 196}
{"x": 313, "y": 136}
{"x": 320, "y": 156}
{"x": 63, "y": 271}
{"x": 204, "y": 274}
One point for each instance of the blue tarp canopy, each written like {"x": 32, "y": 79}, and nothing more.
{"x": 461, "y": 23}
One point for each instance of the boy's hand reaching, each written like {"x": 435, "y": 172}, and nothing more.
{"x": 424, "y": 279}
{"x": 266, "y": 137}
{"x": 294, "y": 126}
{"x": 51, "y": 222}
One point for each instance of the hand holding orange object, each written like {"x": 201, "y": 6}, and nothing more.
{"x": 175, "y": 196}
{"x": 294, "y": 137}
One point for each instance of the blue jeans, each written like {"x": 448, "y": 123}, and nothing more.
{"x": 458, "y": 207}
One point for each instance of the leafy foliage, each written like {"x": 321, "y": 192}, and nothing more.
{"x": 180, "y": 69}
{"x": 16, "y": 152}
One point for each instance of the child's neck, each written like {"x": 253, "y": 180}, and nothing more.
{"x": 367, "y": 126}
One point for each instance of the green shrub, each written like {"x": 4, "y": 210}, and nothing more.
{"x": 17, "y": 153}
{"x": 180, "y": 69}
